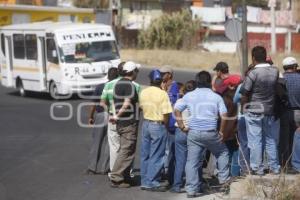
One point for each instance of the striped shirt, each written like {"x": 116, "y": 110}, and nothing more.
{"x": 108, "y": 92}
{"x": 293, "y": 88}
{"x": 204, "y": 106}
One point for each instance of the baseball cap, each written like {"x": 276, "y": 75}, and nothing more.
{"x": 155, "y": 75}
{"x": 221, "y": 66}
{"x": 130, "y": 66}
{"x": 289, "y": 61}
{"x": 166, "y": 69}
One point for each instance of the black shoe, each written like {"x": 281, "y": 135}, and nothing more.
{"x": 195, "y": 195}
{"x": 271, "y": 172}
{"x": 119, "y": 185}
{"x": 102, "y": 173}
{"x": 90, "y": 172}
{"x": 157, "y": 189}
{"x": 292, "y": 171}
{"x": 267, "y": 171}
{"x": 256, "y": 173}
{"x": 143, "y": 188}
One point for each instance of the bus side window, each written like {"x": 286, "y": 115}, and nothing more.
{"x": 51, "y": 51}
{"x": 31, "y": 46}
{"x": 2, "y": 44}
{"x": 19, "y": 46}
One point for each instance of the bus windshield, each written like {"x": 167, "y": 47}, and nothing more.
{"x": 89, "y": 52}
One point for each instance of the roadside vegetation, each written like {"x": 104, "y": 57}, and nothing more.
{"x": 175, "y": 30}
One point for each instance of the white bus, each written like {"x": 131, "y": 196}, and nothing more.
{"x": 56, "y": 57}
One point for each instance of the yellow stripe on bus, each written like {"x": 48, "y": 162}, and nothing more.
{"x": 26, "y": 69}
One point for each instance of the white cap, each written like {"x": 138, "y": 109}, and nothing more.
{"x": 289, "y": 61}
{"x": 166, "y": 69}
{"x": 130, "y": 66}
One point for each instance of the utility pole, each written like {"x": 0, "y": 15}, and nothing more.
{"x": 272, "y": 5}
{"x": 244, "y": 40}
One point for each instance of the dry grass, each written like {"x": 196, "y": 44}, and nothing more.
{"x": 194, "y": 59}
{"x": 276, "y": 189}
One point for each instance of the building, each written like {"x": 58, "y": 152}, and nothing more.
{"x": 16, "y": 14}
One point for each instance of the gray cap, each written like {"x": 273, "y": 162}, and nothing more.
{"x": 166, "y": 69}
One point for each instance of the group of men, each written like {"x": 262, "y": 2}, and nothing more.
{"x": 237, "y": 120}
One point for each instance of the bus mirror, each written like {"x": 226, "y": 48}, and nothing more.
{"x": 54, "y": 54}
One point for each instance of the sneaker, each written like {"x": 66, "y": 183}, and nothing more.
{"x": 164, "y": 184}
{"x": 194, "y": 195}
{"x": 119, "y": 185}
{"x": 177, "y": 190}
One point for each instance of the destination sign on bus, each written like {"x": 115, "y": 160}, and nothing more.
{"x": 85, "y": 36}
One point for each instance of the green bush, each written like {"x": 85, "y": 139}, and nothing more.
{"x": 170, "y": 31}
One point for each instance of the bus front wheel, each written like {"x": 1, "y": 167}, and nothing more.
{"x": 53, "y": 91}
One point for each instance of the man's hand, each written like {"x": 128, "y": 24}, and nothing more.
{"x": 164, "y": 86}
{"x": 113, "y": 119}
{"x": 184, "y": 129}
{"x": 222, "y": 136}
{"x": 91, "y": 121}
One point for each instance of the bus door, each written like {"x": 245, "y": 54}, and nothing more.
{"x": 42, "y": 63}
{"x": 9, "y": 61}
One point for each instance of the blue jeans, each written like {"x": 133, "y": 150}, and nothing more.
{"x": 180, "y": 158}
{"x": 296, "y": 152}
{"x": 233, "y": 150}
{"x": 198, "y": 142}
{"x": 244, "y": 151}
{"x": 171, "y": 157}
{"x": 263, "y": 136}
{"x": 153, "y": 144}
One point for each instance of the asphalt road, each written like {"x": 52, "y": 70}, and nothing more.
{"x": 44, "y": 159}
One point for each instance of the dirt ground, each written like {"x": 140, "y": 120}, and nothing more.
{"x": 194, "y": 59}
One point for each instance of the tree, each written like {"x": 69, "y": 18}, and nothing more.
{"x": 176, "y": 30}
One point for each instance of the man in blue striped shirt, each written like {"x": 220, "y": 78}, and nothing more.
{"x": 292, "y": 78}
{"x": 205, "y": 107}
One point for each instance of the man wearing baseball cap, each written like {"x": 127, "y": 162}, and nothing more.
{"x": 156, "y": 108}
{"x": 107, "y": 99}
{"x": 292, "y": 78}
{"x": 125, "y": 111}
{"x": 171, "y": 87}
{"x": 222, "y": 73}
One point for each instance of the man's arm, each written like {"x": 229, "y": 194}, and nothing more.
{"x": 166, "y": 120}
{"x": 124, "y": 107}
{"x": 104, "y": 104}
{"x": 92, "y": 112}
{"x": 213, "y": 83}
{"x": 244, "y": 101}
{"x": 245, "y": 97}
{"x": 222, "y": 127}
{"x": 179, "y": 120}
{"x": 223, "y": 115}
{"x": 246, "y": 89}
